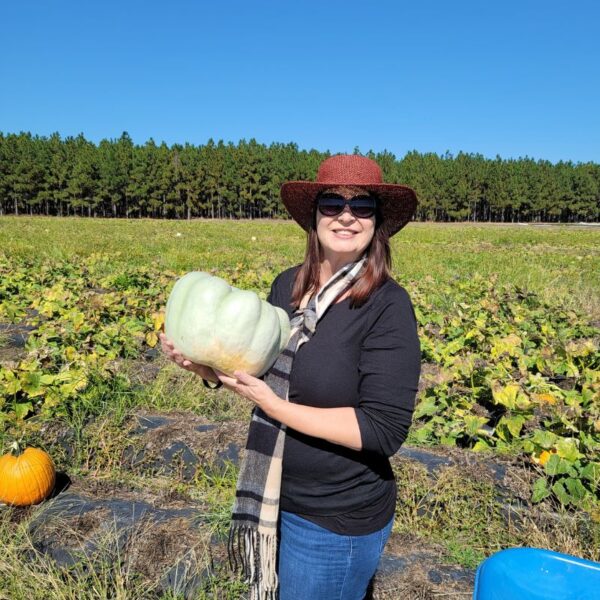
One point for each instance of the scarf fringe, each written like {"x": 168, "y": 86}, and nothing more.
{"x": 255, "y": 554}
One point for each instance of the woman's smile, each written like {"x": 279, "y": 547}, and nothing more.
{"x": 344, "y": 233}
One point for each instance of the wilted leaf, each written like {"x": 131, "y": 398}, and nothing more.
{"x": 568, "y": 449}
{"x": 507, "y": 395}
{"x": 510, "y": 344}
{"x": 151, "y": 339}
{"x": 158, "y": 320}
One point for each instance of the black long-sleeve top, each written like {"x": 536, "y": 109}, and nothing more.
{"x": 367, "y": 358}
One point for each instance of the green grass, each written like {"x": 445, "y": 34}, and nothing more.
{"x": 175, "y": 389}
{"x": 561, "y": 263}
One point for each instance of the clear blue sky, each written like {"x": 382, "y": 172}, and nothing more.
{"x": 507, "y": 77}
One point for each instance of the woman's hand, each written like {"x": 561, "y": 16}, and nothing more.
{"x": 251, "y": 388}
{"x": 176, "y": 356}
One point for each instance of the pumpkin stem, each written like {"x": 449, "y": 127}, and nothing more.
{"x": 15, "y": 448}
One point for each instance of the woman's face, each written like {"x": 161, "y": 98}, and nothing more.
{"x": 344, "y": 236}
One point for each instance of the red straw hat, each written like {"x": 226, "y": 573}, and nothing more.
{"x": 397, "y": 203}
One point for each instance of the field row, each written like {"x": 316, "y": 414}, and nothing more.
{"x": 506, "y": 371}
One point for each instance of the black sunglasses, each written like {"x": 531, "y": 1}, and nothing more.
{"x": 362, "y": 207}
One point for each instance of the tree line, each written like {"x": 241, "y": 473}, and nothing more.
{"x": 117, "y": 178}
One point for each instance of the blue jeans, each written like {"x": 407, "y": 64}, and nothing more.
{"x": 317, "y": 564}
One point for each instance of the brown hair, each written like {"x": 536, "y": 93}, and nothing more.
{"x": 374, "y": 274}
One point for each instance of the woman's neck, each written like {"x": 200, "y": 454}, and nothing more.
{"x": 331, "y": 266}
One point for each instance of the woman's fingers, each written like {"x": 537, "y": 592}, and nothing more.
{"x": 169, "y": 350}
{"x": 239, "y": 378}
{"x": 165, "y": 343}
{"x": 227, "y": 379}
{"x": 244, "y": 378}
{"x": 180, "y": 360}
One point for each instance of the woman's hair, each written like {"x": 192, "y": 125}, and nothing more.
{"x": 374, "y": 274}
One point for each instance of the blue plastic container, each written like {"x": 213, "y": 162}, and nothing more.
{"x": 535, "y": 574}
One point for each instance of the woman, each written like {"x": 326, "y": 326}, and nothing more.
{"x": 338, "y": 401}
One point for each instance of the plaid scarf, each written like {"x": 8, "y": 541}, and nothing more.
{"x": 253, "y": 533}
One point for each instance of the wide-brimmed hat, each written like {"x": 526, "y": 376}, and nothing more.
{"x": 397, "y": 203}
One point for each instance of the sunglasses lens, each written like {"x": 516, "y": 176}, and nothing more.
{"x": 331, "y": 206}
{"x": 361, "y": 207}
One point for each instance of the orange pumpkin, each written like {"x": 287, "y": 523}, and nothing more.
{"x": 26, "y": 479}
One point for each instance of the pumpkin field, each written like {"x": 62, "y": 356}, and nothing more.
{"x": 504, "y": 449}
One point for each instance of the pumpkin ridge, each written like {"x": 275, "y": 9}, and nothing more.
{"x": 264, "y": 316}
{"x": 45, "y": 480}
{"x": 15, "y": 494}
{"x": 31, "y": 487}
{"x": 45, "y": 471}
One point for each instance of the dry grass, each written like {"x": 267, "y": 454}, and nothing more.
{"x": 460, "y": 510}
{"x": 27, "y": 575}
{"x": 133, "y": 573}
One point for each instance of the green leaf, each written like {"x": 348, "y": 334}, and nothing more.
{"x": 480, "y": 446}
{"x": 448, "y": 440}
{"x": 426, "y": 407}
{"x": 31, "y": 383}
{"x": 503, "y": 432}
{"x": 422, "y": 435}
{"x": 557, "y": 465}
{"x": 561, "y": 493}
{"x": 591, "y": 472}
{"x": 454, "y": 346}
{"x": 514, "y": 424}
{"x": 22, "y": 409}
{"x": 473, "y": 424}
{"x": 12, "y": 386}
{"x": 528, "y": 447}
{"x": 576, "y": 488}
{"x": 540, "y": 490}
{"x": 507, "y": 395}
{"x": 544, "y": 439}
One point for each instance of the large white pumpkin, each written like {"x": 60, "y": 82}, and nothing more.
{"x": 215, "y": 324}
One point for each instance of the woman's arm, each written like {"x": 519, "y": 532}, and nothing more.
{"x": 336, "y": 425}
{"x": 390, "y": 365}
